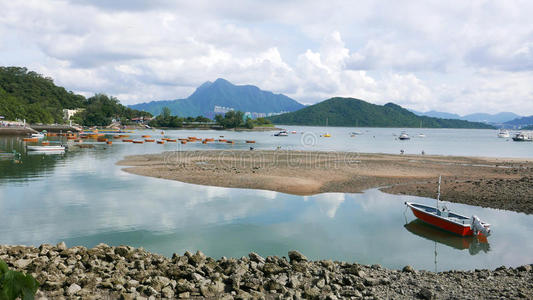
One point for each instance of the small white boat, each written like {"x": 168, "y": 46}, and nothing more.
{"x": 404, "y": 136}
{"x": 37, "y": 135}
{"x": 421, "y": 135}
{"x": 504, "y": 133}
{"x": 45, "y": 148}
{"x": 282, "y": 133}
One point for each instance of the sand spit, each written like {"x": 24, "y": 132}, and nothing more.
{"x": 488, "y": 182}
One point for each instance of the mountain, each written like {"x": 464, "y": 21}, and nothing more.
{"x": 246, "y": 98}
{"x": 350, "y": 111}
{"x": 498, "y": 118}
{"x": 523, "y": 121}
{"x": 438, "y": 114}
{"x": 491, "y": 118}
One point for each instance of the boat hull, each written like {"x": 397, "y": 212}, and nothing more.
{"x": 443, "y": 223}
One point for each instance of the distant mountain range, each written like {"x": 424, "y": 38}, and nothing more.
{"x": 520, "y": 122}
{"x": 498, "y": 118}
{"x": 224, "y": 95}
{"x": 352, "y": 112}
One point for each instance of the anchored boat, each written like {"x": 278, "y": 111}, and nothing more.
{"x": 447, "y": 220}
{"x": 45, "y": 148}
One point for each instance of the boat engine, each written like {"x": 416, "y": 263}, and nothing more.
{"x": 479, "y": 227}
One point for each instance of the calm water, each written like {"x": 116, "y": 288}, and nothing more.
{"x": 81, "y": 197}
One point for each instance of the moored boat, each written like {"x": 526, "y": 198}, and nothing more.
{"x": 447, "y": 220}
{"x": 281, "y": 133}
{"x": 37, "y": 135}
{"x": 523, "y": 137}
{"x": 404, "y": 136}
{"x": 504, "y": 133}
{"x": 45, "y": 148}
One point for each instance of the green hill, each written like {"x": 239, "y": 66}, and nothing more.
{"x": 246, "y": 98}
{"x": 27, "y": 95}
{"x": 350, "y": 111}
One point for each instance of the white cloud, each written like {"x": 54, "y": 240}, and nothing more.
{"x": 459, "y": 56}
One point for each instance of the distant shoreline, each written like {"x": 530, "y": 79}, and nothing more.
{"x": 488, "y": 182}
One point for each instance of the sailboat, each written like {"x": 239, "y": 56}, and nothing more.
{"x": 447, "y": 220}
{"x": 357, "y": 132}
{"x": 421, "y": 135}
{"x": 327, "y": 133}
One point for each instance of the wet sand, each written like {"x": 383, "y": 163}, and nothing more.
{"x": 488, "y": 182}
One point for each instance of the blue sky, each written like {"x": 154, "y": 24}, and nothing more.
{"x": 454, "y": 56}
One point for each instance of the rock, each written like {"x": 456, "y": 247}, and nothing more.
{"x": 256, "y": 257}
{"x": 296, "y": 256}
{"x": 270, "y": 268}
{"x": 122, "y": 251}
{"x": 198, "y": 258}
{"x": 167, "y": 292}
{"x": 524, "y": 268}
{"x": 61, "y": 246}
{"x": 425, "y": 293}
{"x": 73, "y": 289}
{"x": 22, "y": 263}
{"x": 184, "y": 295}
{"x": 371, "y": 281}
{"x": 408, "y": 269}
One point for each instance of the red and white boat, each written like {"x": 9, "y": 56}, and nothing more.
{"x": 449, "y": 221}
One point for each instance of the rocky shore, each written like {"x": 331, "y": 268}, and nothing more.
{"x": 489, "y": 182}
{"x": 123, "y": 272}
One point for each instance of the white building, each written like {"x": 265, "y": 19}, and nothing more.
{"x": 68, "y": 113}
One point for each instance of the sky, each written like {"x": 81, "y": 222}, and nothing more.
{"x": 454, "y": 56}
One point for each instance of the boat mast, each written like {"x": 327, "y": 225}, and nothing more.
{"x": 438, "y": 193}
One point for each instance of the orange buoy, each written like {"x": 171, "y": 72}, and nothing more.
{"x": 109, "y": 142}
{"x": 127, "y": 141}
{"x": 204, "y": 142}
{"x": 184, "y": 142}
{"x": 230, "y": 142}
{"x": 250, "y": 142}
{"x": 222, "y": 141}
{"x": 149, "y": 140}
{"x": 160, "y": 142}
{"x": 138, "y": 142}
{"x": 171, "y": 141}
{"x": 101, "y": 139}
{"x": 145, "y": 136}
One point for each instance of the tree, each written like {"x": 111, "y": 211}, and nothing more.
{"x": 232, "y": 119}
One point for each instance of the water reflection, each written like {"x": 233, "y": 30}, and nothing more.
{"x": 84, "y": 198}
{"x": 474, "y": 245}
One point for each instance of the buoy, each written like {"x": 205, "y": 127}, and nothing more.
{"x": 250, "y": 142}
{"x": 160, "y": 142}
{"x": 184, "y": 142}
{"x": 145, "y": 136}
{"x": 149, "y": 140}
{"x": 138, "y": 142}
{"x": 171, "y": 141}
{"x": 127, "y": 141}
{"x": 109, "y": 142}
